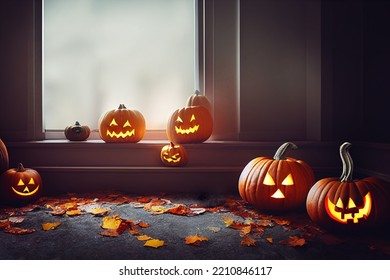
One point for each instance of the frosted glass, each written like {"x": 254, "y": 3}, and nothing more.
{"x": 100, "y": 53}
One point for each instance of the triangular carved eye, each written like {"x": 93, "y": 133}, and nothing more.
{"x": 126, "y": 124}
{"x": 351, "y": 204}
{"x": 268, "y": 180}
{"x": 20, "y": 183}
{"x": 192, "y": 118}
{"x": 113, "y": 122}
{"x": 179, "y": 119}
{"x": 339, "y": 203}
{"x": 32, "y": 182}
{"x": 288, "y": 181}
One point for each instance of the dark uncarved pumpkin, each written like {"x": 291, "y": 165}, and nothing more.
{"x": 77, "y": 132}
{"x": 347, "y": 204}
{"x": 4, "y": 159}
{"x": 276, "y": 184}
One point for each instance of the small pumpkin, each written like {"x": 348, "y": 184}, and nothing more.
{"x": 77, "y": 132}
{"x": 190, "y": 125}
{"x": 4, "y": 159}
{"x": 122, "y": 125}
{"x": 346, "y": 204}
{"x": 20, "y": 185}
{"x": 199, "y": 100}
{"x": 174, "y": 155}
{"x": 276, "y": 184}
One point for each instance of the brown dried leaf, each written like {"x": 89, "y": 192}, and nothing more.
{"x": 154, "y": 243}
{"x": 294, "y": 241}
{"x": 180, "y": 209}
{"x": 245, "y": 230}
{"x": 18, "y": 231}
{"x": 4, "y": 223}
{"x": 50, "y": 226}
{"x": 143, "y": 224}
{"x": 270, "y": 240}
{"x": 144, "y": 199}
{"x": 109, "y": 233}
{"x": 248, "y": 241}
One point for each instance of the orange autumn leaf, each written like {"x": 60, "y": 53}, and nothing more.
{"x": 69, "y": 206}
{"x": 143, "y": 224}
{"x": 195, "y": 240}
{"x": 17, "y": 230}
{"x": 99, "y": 211}
{"x": 111, "y": 222}
{"x": 270, "y": 240}
{"x": 109, "y": 233}
{"x": 50, "y": 226}
{"x": 294, "y": 241}
{"x": 73, "y": 212}
{"x": 248, "y": 241}
{"x": 179, "y": 210}
{"x": 144, "y": 199}
{"x": 143, "y": 237}
{"x": 154, "y": 243}
{"x": 4, "y": 223}
{"x": 246, "y": 230}
{"x": 228, "y": 221}
{"x": 58, "y": 212}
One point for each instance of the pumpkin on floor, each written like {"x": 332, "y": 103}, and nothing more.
{"x": 20, "y": 185}
{"x": 4, "y": 159}
{"x": 276, "y": 184}
{"x": 190, "y": 125}
{"x": 347, "y": 204}
{"x": 77, "y": 132}
{"x": 199, "y": 100}
{"x": 122, "y": 125}
{"x": 174, "y": 155}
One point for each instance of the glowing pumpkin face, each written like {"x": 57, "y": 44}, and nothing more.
{"x": 174, "y": 155}
{"x": 122, "y": 125}
{"x": 190, "y": 125}
{"x": 20, "y": 185}
{"x": 276, "y": 184}
{"x": 346, "y": 204}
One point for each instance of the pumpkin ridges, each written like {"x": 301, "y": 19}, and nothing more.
{"x": 4, "y": 158}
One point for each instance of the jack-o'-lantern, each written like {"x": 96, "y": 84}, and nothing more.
{"x": 4, "y": 159}
{"x": 199, "y": 100}
{"x": 344, "y": 203}
{"x": 20, "y": 185}
{"x": 122, "y": 125}
{"x": 174, "y": 155}
{"x": 190, "y": 125}
{"x": 77, "y": 132}
{"x": 276, "y": 184}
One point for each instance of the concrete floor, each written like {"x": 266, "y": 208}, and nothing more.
{"x": 77, "y": 237}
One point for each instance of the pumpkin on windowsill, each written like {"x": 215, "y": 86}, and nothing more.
{"x": 77, "y": 132}
{"x": 122, "y": 125}
{"x": 190, "y": 125}
{"x": 4, "y": 159}
{"x": 173, "y": 155}
{"x": 276, "y": 184}
{"x": 347, "y": 204}
{"x": 19, "y": 186}
{"x": 199, "y": 100}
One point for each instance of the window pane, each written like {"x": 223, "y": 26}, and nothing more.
{"x": 100, "y": 53}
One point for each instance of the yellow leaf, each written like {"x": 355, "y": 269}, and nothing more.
{"x": 228, "y": 221}
{"x": 195, "y": 239}
{"x": 155, "y": 243}
{"x": 270, "y": 240}
{"x": 50, "y": 226}
{"x": 73, "y": 212}
{"x": 158, "y": 209}
{"x": 111, "y": 222}
{"x": 99, "y": 211}
{"x": 143, "y": 237}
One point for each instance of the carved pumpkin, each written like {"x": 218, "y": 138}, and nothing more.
{"x": 344, "y": 203}
{"x": 77, "y": 132}
{"x": 190, "y": 125}
{"x": 174, "y": 155}
{"x": 20, "y": 185}
{"x": 4, "y": 159}
{"x": 276, "y": 184}
{"x": 199, "y": 100}
{"x": 122, "y": 125}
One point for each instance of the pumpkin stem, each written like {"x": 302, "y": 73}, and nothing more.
{"x": 197, "y": 92}
{"x": 347, "y": 161}
{"x": 121, "y": 106}
{"x": 20, "y": 168}
{"x": 77, "y": 123}
{"x": 172, "y": 145}
{"x": 279, "y": 155}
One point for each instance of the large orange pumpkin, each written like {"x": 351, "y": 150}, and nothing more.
{"x": 276, "y": 184}
{"x": 4, "y": 159}
{"x": 20, "y": 185}
{"x": 122, "y": 125}
{"x": 347, "y": 204}
{"x": 190, "y": 125}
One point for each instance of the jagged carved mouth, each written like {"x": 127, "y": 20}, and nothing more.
{"x": 121, "y": 134}
{"x": 193, "y": 129}
{"x": 351, "y": 213}
{"x": 26, "y": 191}
{"x": 174, "y": 159}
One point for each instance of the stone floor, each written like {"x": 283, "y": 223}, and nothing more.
{"x": 117, "y": 226}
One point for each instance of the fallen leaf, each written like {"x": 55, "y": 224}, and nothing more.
{"x": 155, "y": 243}
{"x": 144, "y": 199}
{"x": 99, "y": 211}
{"x": 111, "y": 222}
{"x": 18, "y": 231}
{"x": 50, "y": 226}
{"x": 294, "y": 241}
{"x": 16, "y": 219}
{"x": 195, "y": 240}
{"x": 158, "y": 209}
{"x": 143, "y": 224}
{"x": 4, "y": 223}
{"x": 228, "y": 221}
{"x": 74, "y": 212}
{"x": 245, "y": 230}
{"x": 281, "y": 222}
{"x": 270, "y": 240}
{"x": 214, "y": 229}
{"x": 109, "y": 233}
{"x": 58, "y": 212}
{"x": 196, "y": 211}
{"x": 248, "y": 241}
{"x": 143, "y": 237}
{"x": 180, "y": 209}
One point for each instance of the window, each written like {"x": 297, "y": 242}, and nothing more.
{"x": 98, "y": 54}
